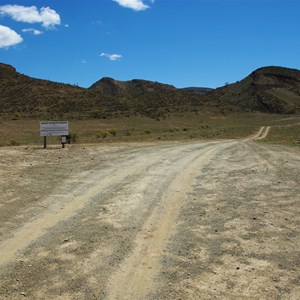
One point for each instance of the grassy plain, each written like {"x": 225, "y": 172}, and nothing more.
{"x": 285, "y": 129}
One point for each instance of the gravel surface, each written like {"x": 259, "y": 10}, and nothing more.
{"x": 198, "y": 220}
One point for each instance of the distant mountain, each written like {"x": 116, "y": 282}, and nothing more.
{"x": 197, "y": 90}
{"x": 135, "y": 87}
{"x": 268, "y": 89}
{"x": 23, "y": 96}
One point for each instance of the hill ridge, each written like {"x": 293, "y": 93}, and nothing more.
{"x": 132, "y": 87}
{"x": 269, "y": 89}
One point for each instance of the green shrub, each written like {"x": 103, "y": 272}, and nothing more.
{"x": 72, "y": 137}
{"x": 113, "y": 132}
{"x": 13, "y": 143}
{"x": 103, "y": 134}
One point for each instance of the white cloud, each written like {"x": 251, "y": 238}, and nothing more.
{"x": 33, "y": 31}
{"x": 8, "y": 37}
{"x": 31, "y": 14}
{"x": 136, "y": 5}
{"x": 111, "y": 56}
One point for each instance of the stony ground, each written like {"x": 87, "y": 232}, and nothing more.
{"x": 199, "y": 220}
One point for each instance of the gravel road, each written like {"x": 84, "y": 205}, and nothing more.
{"x": 198, "y": 220}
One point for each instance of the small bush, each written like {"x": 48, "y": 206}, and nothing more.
{"x": 103, "y": 134}
{"x": 205, "y": 126}
{"x": 146, "y": 131}
{"x": 13, "y": 143}
{"x": 72, "y": 137}
{"x": 113, "y": 132}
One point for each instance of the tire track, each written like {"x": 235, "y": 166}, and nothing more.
{"x": 264, "y": 133}
{"x": 66, "y": 203}
{"x": 272, "y": 160}
{"x": 261, "y": 134}
{"x": 135, "y": 278}
{"x": 113, "y": 221}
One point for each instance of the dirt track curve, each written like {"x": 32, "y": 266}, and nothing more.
{"x": 197, "y": 220}
{"x": 261, "y": 134}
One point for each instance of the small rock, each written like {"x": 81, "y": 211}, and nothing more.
{"x": 23, "y": 294}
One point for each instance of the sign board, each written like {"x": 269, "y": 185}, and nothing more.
{"x": 54, "y": 128}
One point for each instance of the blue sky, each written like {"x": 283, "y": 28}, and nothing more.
{"x": 179, "y": 42}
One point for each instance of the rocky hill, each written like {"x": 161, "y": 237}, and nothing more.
{"x": 268, "y": 89}
{"x": 135, "y": 87}
{"x": 20, "y": 94}
{"x": 23, "y": 96}
{"x": 271, "y": 89}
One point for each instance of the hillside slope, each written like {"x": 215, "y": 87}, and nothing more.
{"x": 268, "y": 89}
{"x": 29, "y": 97}
{"x": 271, "y": 89}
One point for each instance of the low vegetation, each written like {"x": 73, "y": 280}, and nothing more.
{"x": 285, "y": 129}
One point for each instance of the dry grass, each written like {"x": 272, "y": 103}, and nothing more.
{"x": 177, "y": 127}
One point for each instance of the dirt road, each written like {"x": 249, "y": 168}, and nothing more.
{"x": 198, "y": 220}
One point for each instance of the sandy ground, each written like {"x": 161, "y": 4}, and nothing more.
{"x": 198, "y": 220}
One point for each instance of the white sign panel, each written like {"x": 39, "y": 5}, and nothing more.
{"x": 54, "y": 128}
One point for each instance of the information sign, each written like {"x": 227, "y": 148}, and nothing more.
{"x": 54, "y": 128}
